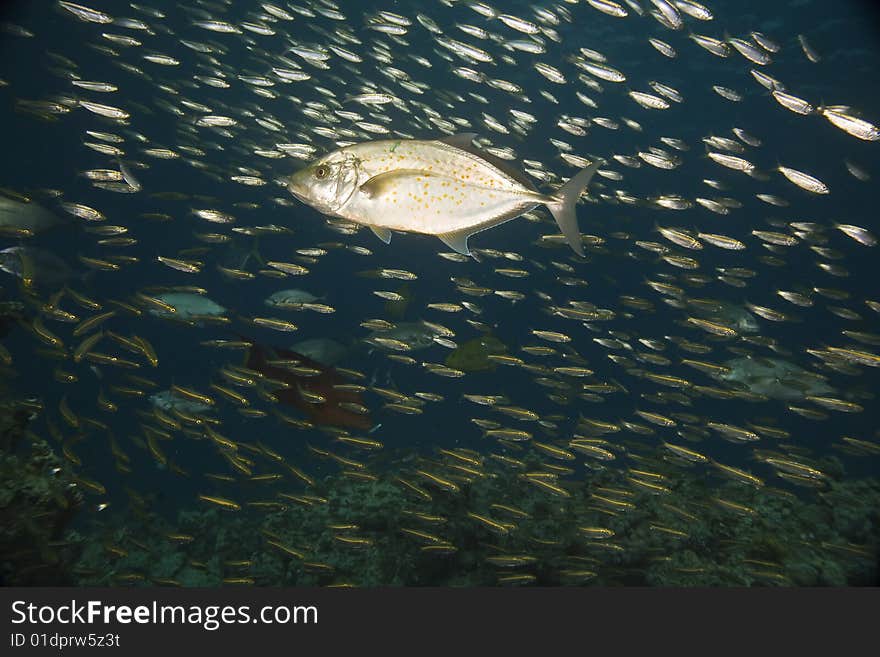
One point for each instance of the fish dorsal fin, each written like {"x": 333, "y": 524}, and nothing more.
{"x": 457, "y": 240}
{"x": 464, "y": 142}
{"x": 383, "y": 184}
{"x": 382, "y": 233}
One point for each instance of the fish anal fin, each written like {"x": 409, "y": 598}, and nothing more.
{"x": 383, "y": 234}
{"x": 457, "y": 240}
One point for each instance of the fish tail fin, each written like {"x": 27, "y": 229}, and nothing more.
{"x": 562, "y": 206}
{"x": 255, "y": 252}
{"x": 255, "y": 357}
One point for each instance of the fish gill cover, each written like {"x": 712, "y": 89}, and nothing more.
{"x": 234, "y": 351}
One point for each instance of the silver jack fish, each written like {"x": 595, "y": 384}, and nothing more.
{"x": 444, "y": 187}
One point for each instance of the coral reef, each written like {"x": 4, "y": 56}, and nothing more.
{"x": 38, "y": 499}
{"x": 347, "y": 531}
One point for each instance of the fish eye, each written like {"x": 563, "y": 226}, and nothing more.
{"x": 322, "y": 172}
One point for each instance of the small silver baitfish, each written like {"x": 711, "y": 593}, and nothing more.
{"x": 444, "y": 187}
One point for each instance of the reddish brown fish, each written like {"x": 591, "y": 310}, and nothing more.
{"x": 329, "y": 412}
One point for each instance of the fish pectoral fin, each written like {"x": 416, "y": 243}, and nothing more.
{"x": 383, "y": 184}
{"x": 457, "y": 240}
{"x": 382, "y": 233}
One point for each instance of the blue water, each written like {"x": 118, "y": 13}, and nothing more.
{"x": 50, "y": 155}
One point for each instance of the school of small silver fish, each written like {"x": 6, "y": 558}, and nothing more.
{"x": 703, "y": 307}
